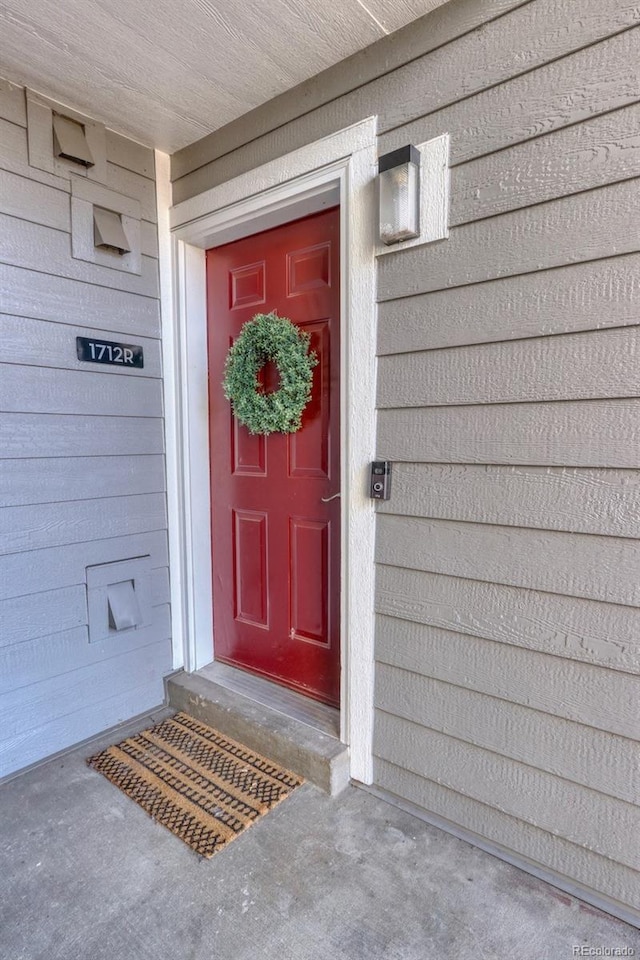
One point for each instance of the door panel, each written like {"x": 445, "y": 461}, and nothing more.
{"x": 309, "y": 447}
{"x": 308, "y": 553}
{"x": 276, "y": 545}
{"x": 250, "y": 568}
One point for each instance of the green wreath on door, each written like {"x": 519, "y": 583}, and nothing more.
{"x": 269, "y": 337}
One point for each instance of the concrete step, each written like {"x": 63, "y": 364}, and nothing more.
{"x": 281, "y": 725}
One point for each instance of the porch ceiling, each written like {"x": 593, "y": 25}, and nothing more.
{"x": 168, "y": 73}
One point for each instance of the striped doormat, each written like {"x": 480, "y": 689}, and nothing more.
{"x": 201, "y": 785}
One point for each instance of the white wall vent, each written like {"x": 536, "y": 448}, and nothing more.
{"x": 124, "y": 608}
{"x": 118, "y": 598}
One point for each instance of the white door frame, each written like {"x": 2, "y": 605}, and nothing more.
{"x": 338, "y": 169}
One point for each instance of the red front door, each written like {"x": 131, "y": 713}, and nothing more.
{"x": 276, "y": 541}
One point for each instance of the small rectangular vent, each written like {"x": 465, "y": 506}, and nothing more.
{"x": 108, "y": 231}
{"x": 70, "y": 141}
{"x": 124, "y": 609}
{"x": 119, "y": 599}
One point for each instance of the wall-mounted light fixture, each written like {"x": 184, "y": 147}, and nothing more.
{"x": 399, "y": 194}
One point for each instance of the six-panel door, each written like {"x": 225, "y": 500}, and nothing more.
{"x": 276, "y": 543}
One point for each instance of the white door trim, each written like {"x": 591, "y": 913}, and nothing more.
{"x": 340, "y": 168}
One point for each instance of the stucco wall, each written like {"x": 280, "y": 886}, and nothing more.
{"x": 507, "y": 584}
{"x": 81, "y": 456}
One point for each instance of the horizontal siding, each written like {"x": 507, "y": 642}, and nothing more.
{"x": 585, "y": 227}
{"x": 569, "y": 861}
{"x": 549, "y": 498}
{"x": 23, "y": 198}
{"x": 583, "y": 816}
{"x": 29, "y": 746}
{"x": 34, "y": 661}
{"x": 131, "y": 155}
{"x": 594, "y": 153}
{"x": 68, "y": 391}
{"x": 591, "y": 433}
{"x": 594, "y": 80}
{"x": 581, "y": 366}
{"x": 33, "y": 247}
{"x": 51, "y": 698}
{"x": 83, "y": 480}
{"x": 28, "y": 617}
{"x": 529, "y": 36}
{"x": 50, "y": 207}
{"x": 40, "y": 296}
{"x": 585, "y": 296}
{"x": 33, "y": 435}
{"x": 132, "y": 184}
{"x": 14, "y": 157}
{"x": 52, "y": 568}
{"x": 55, "y": 524}
{"x": 570, "y": 564}
{"x": 586, "y": 694}
{"x": 605, "y": 634}
{"x": 572, "y": 751}
{"x": 31, "y": 617}
{"x": 44, "y": 344}
{"x": 79, "y": 478}
{"x": 94, "y": 706}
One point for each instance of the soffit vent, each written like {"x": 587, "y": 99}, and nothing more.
{"x": 108, "y": 232}
{"x": 70, "y": 141}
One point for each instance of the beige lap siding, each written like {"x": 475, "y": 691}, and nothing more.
{"x": 508, "y": 630}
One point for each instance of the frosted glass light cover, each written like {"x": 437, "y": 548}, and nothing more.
{"x": 399, "y": 190}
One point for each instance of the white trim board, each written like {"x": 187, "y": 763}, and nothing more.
{"x": 172, "y": 401}
{"x": 338, "y": 169}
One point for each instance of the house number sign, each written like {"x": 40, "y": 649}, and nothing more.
{"x": 106, "y": 351}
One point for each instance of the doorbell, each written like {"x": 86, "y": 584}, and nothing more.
{"x": 380, "y": 481}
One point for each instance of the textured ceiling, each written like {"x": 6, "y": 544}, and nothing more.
{"x": 167, "y": 72}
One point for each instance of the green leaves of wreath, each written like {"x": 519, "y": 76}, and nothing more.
{"x": 269, "y": 337}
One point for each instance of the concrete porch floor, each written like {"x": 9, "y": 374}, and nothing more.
{"x": 87, "y": 875}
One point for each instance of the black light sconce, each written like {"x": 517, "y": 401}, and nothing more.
{"x": 399, "y": 195}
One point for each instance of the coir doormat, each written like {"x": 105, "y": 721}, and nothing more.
{"x": 201, "y": 785}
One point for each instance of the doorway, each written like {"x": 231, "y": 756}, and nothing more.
{"x": 336, "y": 169}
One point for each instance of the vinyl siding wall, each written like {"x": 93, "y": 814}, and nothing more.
{"x": 508, "y": 657}
{"x": 81, "y": 457}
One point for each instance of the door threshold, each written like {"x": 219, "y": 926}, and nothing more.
{"x": 284, "y": 726}
{"x": 320, "y": 716}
